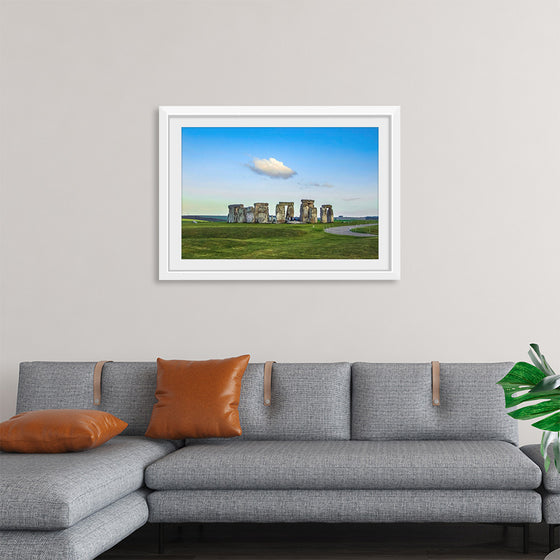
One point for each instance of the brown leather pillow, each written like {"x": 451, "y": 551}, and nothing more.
{"x": 58, "y": 431}
{"x": 197, "y": 399}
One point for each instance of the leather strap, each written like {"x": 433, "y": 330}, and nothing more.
{"x": 268, "y": 383}
{"x": 97, "y": 370}
{"x": 435, "y": 384}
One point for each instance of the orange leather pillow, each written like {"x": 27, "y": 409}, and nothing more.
{"x": 58, "y": 431}
{"x": 197, "y": 399}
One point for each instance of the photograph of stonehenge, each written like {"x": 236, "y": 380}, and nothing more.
{"x": 298, "y": 175}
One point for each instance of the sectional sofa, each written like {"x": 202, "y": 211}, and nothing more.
{"x": 340, "y": 442}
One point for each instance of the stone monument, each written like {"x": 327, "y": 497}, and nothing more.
{"x": 234, "y": 214}
{"x": 261, "y": 212}
{"x": 258, "y": 213}
{"x": 284, "y": 212}
{"x": 327, "y": 214}
{"x": 307, "y": 212}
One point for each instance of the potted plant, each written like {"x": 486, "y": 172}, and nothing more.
{"x": 526, "y": 383}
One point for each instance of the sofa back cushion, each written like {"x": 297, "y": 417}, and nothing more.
{"x": 394, "y": 402}
{"x": 44, "y": 385}
{"x": 127, "y": 389}
{"x": 309, "y": 401}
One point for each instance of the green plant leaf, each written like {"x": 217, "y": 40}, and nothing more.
{"x": 514, "y": 397}
{"x": 522, "y": 375}
{"x": 550, "y": 423}
{"x": 536, "y": 410}
{"x": 547, "y": 437}
{"x": 547, "y": 366}
{"x": 550, "y": 449}
{"x": 547, "y": 384}
{"x": 556, "y": 453}
{"x": 536, "y": 361}
{"x": 526, "y": 383}
{"x": 539, "y": 361}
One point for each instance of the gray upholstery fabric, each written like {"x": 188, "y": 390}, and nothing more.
{"x": 128, "y": 390}
{"x": 394, "y": 401}
{"x": 551, "y": 479}
{"x": 54, "y": 491}
{"x": 551, "y": 508}
{"x": 45, "y": 385}
{"x": 370, "y": 506}
{"x": 345, "y": 465}
{"x": 309, "y": 402}
{"x": 83, "y": 541}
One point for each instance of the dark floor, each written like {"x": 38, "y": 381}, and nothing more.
{"x": 343, "y": 541}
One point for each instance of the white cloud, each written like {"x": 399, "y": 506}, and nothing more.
{"x": 272, "y": 168}
{"x": 322, "y": 185}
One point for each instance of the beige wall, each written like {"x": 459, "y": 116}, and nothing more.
{"x": 479, "y": 87}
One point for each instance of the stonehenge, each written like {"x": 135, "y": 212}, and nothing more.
{"x": 261, "y": 213}
{"x": 306, "y": 211}
{"x": 327, "y": 216}
{"x": 284, "y": 212}
{"x": 236, "y": 214}
{"x": 258, "y": 213}
{"x": 239, "y": 214}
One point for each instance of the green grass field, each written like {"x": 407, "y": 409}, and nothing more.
{"x": 220, "y": 240}
{"x": 370, "y": 229}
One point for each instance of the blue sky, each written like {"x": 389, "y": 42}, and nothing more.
{"x": 244, "y": 165}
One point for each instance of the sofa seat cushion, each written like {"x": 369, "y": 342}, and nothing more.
{"x": 285, "y": 465}
{"x": 85, "y": 540}
{"x": 54, "y": 491}
{"x": 550, "y": 478}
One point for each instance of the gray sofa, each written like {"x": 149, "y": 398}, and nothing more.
{"x": 340, "y": 443}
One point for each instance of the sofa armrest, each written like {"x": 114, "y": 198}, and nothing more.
{"x": 551, "y": 479}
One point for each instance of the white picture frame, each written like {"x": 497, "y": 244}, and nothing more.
{"x": 172, "y": 119}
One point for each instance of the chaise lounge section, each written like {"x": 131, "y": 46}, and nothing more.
{"x": 76, "y": 505}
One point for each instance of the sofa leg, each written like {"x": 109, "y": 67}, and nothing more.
{"x": 525, "y": 538}
{"x": 161, "y": 538}
{"x": 551, "y": 544}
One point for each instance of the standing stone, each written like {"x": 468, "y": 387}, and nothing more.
{"x": 250, "y": 214}
{"x": 261, "y": 212}
{"x": 280, "y": 213}
{"x": 327, "y": 215}
{"x": 233, "y": 214}
{"x": 313, "y": 215}
{"x": 284, "y": 212}
{"x": 304, "y": 211}
{"x": 290, "y": 212}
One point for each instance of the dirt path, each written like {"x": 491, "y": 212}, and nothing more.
{"x": 345, "y": 230}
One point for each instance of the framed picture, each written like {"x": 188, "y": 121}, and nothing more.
{"x": 279, "y": 193}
